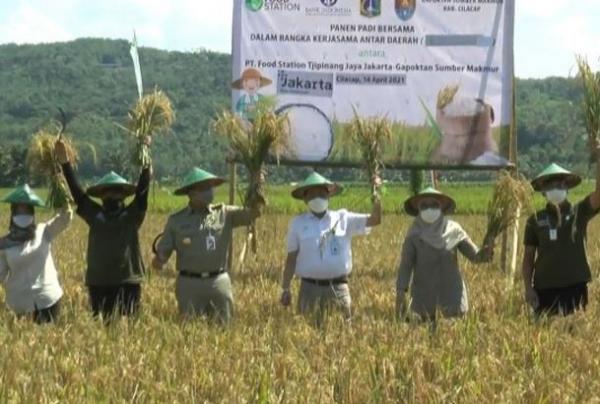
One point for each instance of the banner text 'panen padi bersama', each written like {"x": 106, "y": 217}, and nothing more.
{"x": 440, "y": 70}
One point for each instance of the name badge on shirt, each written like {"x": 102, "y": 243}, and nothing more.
{"x": 553, "y": 234}
{"x": 334, "y": 246}
{"x": 187, "y": 241}
{"x": 211, "y": 243}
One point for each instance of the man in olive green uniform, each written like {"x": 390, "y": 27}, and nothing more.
{"x": 555, "y": 266}
{"x": 115, "y": 269}
{"x": 201, "y": 234}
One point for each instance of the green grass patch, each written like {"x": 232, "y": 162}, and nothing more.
{"x": 471, "y": 198}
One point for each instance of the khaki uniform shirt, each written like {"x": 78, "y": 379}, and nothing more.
{"x": 201, "y": 239}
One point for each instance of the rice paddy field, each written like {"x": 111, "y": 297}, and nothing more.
{"x": 270, "y": 355}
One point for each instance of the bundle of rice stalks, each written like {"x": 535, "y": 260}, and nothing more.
{"x": 446, "y": 95}
{"x": 512, "y": 198}
{"x": 591, "y": 104}
{"x": 43, "y": 165}
{"x": 370, "y": 135}
{"x": 251, "y": 143}
{"x": 151, "y": 115}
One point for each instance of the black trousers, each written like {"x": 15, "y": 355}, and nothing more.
{"x": 562, "y": 300}
{"x": 47, "y": 315}
{"x": 115, "y": 300}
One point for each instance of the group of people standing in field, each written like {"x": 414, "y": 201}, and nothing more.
{"x": 319, "y": 253}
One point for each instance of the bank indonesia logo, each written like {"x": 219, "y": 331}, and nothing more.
{"x": 254, "y": 5}
{"x": 370, "y": 8}
{"x": 405, "y": 9}
{"x": 329, "y": 3}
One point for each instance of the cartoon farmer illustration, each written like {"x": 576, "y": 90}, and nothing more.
{"x": 250, "y": 82}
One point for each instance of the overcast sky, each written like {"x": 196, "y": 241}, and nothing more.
{"x": 547, "y": 36}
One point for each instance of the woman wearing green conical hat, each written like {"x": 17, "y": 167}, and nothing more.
{"x": 555, "y": 266}
{"x": 319, "y": 248}
{"x": 115, "y": 268}
{"x": 429, "y": 259}
{"x": 26, "y": 265}
{"x": 201, "y": 235}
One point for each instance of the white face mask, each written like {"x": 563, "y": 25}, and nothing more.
{"x": 318, "y": 205}
{"x": 22, "y": 221}
{"x": 430, "y": 215}
{"x": 556, "y": 196}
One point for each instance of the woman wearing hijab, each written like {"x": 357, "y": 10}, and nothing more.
{"x": 555, "y": 266}
{"x": 115, "y": 268}
{"x": 429, "y": 260}
{"x": 26, "y": 266}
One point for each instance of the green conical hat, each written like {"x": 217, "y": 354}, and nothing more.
{"x": 411, "y": 205}
{"x": 553, "y": 172}
{"x": 197, "y": 176}
{"x": 25, "y": 195}
{"x": 315, "y": 180}
{"x": 112, "y": 181}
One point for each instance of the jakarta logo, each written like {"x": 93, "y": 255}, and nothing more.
{"x": 329, "y": 3}
{"x": 405, "y": 9}
{"x": 370, "y": 8}
{"x": 254, "y": 5}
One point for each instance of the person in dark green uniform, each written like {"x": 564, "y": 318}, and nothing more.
{"x": 201, "y": 234}
{"x": 555, "y": 265}
{"x": 114, "y": 263}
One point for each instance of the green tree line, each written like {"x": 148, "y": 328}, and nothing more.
{"x": 92, "y": 79}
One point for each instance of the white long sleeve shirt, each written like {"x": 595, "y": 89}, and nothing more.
{"x": 28, "y": 272}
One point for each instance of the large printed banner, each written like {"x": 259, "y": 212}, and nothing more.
{"x": 440, "y": 70}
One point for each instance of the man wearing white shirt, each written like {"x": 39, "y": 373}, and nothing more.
{"x": 320, "y": 250}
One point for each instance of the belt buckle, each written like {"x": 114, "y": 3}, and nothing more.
{"x": 204, "y": 275}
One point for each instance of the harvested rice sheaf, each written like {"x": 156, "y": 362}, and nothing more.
{"x": 512, "y": 198}
{"x": 42, "y": 164}
{"x": 251, "y": 143}
{"x": 153, "y": 114}
{"x": 371, "y": 135}
{"x": 591, "y": 104}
